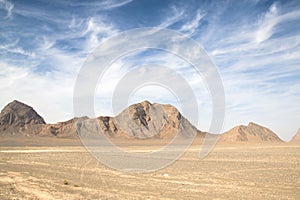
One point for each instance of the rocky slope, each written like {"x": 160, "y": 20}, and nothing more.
{"x": 296, "y": 137}
{"x": 19, "y": 117}
{"x": 142, "y": 120}
{"x": 250, "y": 133}
{"x": 61, "y": 129}
{"x": 146, "y": 120}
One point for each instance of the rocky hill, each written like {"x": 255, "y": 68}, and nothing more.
{"x": 296, "y": 137}
{"x": 250, "y": 133}
{"x": 147, "y": 120}
{"x": 141, "y": 120}
{"x": 19, "y": 117}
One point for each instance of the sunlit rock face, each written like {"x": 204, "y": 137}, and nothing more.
{"x": 250, "y": 133}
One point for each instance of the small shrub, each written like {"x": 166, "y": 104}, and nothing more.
{"x": 66, "y": 182}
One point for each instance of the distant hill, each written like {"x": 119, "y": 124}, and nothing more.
{"x": 250, "y": 133}
{"x": 296, "y": 137}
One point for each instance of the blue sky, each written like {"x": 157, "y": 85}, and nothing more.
{"x": 255, "y": 45}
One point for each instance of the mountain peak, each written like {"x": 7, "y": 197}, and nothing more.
{"x": 144, "y": 120}
{"x": 253, "y": 124}
{"x": 146, "y": 102}
{"x": 252, "y": 132}
{"x": 16, "y": 103}
{"x": 17, "y": 114}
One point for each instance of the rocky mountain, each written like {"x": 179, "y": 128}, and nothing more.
{"x": 296, "y": 137}
{"x": 19, "y": 117}
{"x": 141, "y": 120}
{"x": 62, "y": 129}
{"x": 250, "y": 133}
{"x": 147, "y": 120}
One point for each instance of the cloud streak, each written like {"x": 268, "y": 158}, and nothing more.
{"x": 8, "y": 6}
{"x": 190, "y": 27}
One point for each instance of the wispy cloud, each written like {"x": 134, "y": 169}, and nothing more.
{"x": 97, "y": 31}
{"x": 110, "y": 4}
{"x": 99, "y": 5}
{"x": 190, "y": 27}
{"x": 8, "y": 6}
{"x": 176, "y": 14}
{"x": 258, "y": 62}
{"x": 256, "y": 50}
{"x": 271, "y": 19}
{"x": 267, "y": 24}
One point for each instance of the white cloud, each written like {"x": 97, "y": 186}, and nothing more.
{"x": 271, "y": 19}
{"x": 21, "y": 51}
{"x": 267, "y": 24}
{"x": 111, "y": 78}
{"x": 99, "y": 5}
{"x": 8, "y": 6}
{"x": 97, "y": 31}
{"x": 258, "y": 69}
{"x": 49, "y": 94}
{"x": 12, "y": 47}
{"x": 111, "y": 4}
{"x": 175, "y": 16}
{"x": 190, "y": 27}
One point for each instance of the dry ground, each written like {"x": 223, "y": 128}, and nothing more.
{"x": 230, "y": 171}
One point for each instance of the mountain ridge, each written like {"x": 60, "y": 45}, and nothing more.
{"x": 140, "y": 120}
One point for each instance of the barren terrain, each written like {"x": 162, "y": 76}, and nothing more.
{"x": 230, "y": 171}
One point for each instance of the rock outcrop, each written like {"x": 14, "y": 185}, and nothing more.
{"x": 146, "y": 120}
{"x": 19, "y": 117}
{"x": 141, "y": 120}
{"x": 66, "y": 129}
{"x": 251, "y": 133}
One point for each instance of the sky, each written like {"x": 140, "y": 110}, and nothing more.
{"x": 254, "y": 44}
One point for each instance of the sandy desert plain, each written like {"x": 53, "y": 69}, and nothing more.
{"x": 51, "y": 168}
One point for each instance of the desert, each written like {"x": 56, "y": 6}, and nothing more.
{"x": 49, "y": 166}
{"x": 230, "y": 171}
{"x": 149, "y": 99}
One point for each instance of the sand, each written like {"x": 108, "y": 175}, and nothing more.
{"x": 230, "y": 171}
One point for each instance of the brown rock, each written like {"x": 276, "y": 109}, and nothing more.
{"x": 141, "y": 120}
{"x": 146, "y": 120}
{"x": 66, "y": 129}
{"x": 251, "y": 133}
{"x": 19, "y": 117}
{"x": 296, "y": 137}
